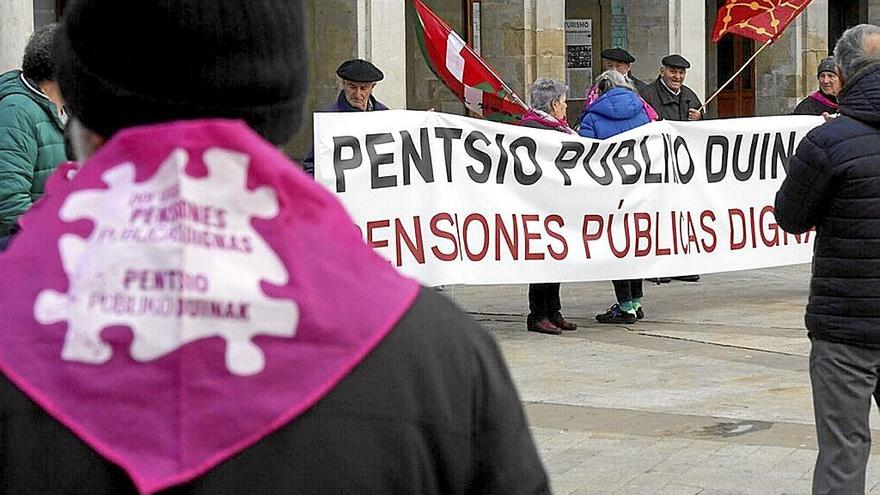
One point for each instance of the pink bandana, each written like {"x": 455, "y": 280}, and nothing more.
{"x": 185, "y": 294}
{"x": 821, "y": 98}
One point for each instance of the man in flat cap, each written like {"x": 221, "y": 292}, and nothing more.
{"x": 359, "y": 79}
{"x": 621, "y": 60}
{"x": 668, "y": 94}
{"x": 673, "y": 101}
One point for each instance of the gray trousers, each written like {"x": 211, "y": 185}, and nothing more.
{"x": 844, "y": 377}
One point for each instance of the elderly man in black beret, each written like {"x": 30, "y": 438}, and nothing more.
{"x": 621, "y": 60}
{"x": 673, "y": 101}
{"x": 668, "y": 94}
{"x": 359, "y": 79}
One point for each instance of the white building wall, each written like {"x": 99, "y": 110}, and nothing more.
{"x": 382, "y": 40}
{"x": 687, "y": 35}
{"x": 16, "y": 25}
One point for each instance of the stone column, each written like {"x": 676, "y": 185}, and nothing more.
{"x": 16, "y": 26}
{"x": 331, "y": 31}
{"x": 382, "y": 40}
{"x": 874, "y": 12}
{"x": 524, "y": 40}
{"x": 549, "y": 48}
{"x": 506, "y": 44}
{"x": 687, "y": 37}
{"x": 339, "y": 30}
{"x": 647, "y": 36}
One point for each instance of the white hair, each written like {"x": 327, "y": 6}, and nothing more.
{"x": 852, "y": 54}
{"x": 613, "y": 79}
{"x": 546, "y": 91}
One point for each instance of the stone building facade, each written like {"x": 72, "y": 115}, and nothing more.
{"x": 528, "y": 39}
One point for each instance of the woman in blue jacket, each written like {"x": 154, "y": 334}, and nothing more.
{"x": 618, "y": 109}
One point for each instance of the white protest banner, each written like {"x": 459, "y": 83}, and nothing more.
{"x": 450, "y": 199}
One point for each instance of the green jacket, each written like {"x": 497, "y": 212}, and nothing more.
{"x": 31, "y": 146}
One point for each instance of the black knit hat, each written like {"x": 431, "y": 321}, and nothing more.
{"x": 123, "y": 63}
{"x": 826, "y": 65}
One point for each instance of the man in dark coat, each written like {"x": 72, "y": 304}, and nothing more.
{"x": 823, "y": 100}
{"x": 359, "y": 79}
{"x": 669, "y": 96}
{"x": 621, "y": 60}
{"x": 673, "y": 101}
{"x": 833, "y": 185}
{"x": 372, "y": 385}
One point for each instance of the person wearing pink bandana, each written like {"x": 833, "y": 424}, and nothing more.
{"x": 824, "y": 99}
{"x": 188, "y": 312}
{"x": 548, "y": 110}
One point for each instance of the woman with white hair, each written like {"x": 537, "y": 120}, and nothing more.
{"x": 617, "y": 109}
{"x": 547, "y": 112}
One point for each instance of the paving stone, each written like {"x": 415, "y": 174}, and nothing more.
{"x": 708, "y": 395}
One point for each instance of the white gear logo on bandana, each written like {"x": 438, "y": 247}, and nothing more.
{"x": 227, "y": 301}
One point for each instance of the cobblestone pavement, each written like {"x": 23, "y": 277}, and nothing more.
{"x": 708, "y": 395}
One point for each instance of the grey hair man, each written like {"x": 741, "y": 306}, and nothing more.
{"x": 833, "y": 185}
{"x": 668, "y": 93}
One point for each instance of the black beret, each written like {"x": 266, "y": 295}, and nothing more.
{"x": 618, "y": 54}
{"x": 358, "y": 70}
{"x": 676, "y": 61}
{"x": 827, "y": 65}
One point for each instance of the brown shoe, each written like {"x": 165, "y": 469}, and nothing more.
{"x": 562, "y": 323}
{"x": 542, "y": 326}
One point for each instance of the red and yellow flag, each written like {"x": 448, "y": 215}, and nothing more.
{"x": 463, "y": 71}
{"x": 760, "y": 20}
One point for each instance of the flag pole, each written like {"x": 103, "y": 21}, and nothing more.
{"x": 718, "y": 91}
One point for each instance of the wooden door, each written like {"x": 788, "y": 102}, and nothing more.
{"x": 738, "y": 98}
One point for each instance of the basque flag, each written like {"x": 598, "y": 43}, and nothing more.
{"x": 463, "y": 71}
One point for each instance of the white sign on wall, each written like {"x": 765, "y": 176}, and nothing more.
{"x": 579, "y": 53}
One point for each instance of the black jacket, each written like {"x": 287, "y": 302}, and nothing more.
{"x": 668, "y": 105}
{"x": 812, "y": 106}
{"x": 833, "y": 184}
{"x": 641, "y": 86}
{"x": 341, "y": 105}
{"x": 431, "y": 410}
